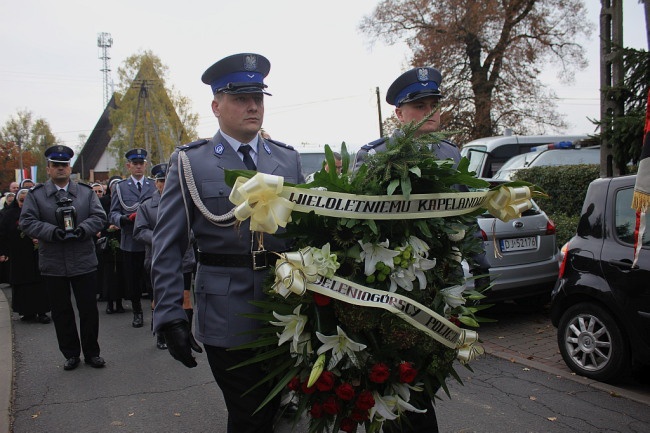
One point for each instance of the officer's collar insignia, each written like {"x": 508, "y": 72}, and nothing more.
{"x": 250, "y": 62}
{"x": 423, "y": 74}
{"x": 267, "y": 148}
{"x": 218, "y": 149}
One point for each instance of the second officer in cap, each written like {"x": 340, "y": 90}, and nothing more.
{"x": 227, "y": 279}
{"x": 415, "y": 95}
{"x": 145, "y": 222}
{"x": 65, "y": 216}
{"x": 125, "y": 201}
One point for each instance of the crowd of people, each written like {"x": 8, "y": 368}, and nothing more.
{"x": 146, "y": 238}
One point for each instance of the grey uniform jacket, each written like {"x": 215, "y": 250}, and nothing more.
{"x": 38, "y": 220}
{"x": 222, "y": 294}
{"x": 145, "y": 221}
{"x": 443, "y": 150}
{"x": 124, "y": 201}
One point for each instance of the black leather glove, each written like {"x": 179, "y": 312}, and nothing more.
{"x": 79, "y": 233}
{"x": 179, "y": 342}
{"x": 195, "y": 344}
{"x": 58, "y": 235}
{"x": 125, "y": 221}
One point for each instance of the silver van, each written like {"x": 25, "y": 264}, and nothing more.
{"x": 487, "y": 155}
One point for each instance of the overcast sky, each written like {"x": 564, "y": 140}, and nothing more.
{"x": 323, "y": 71}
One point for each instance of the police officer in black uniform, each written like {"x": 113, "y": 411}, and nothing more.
{"x": 65, "y": 217}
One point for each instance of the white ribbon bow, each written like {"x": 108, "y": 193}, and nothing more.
{"x": 293, "y": 271}
{"x": 257, "y": 198}
{"x": 507, "y": 202}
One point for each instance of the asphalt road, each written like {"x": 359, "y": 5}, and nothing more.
{"x": 142, "y": 389}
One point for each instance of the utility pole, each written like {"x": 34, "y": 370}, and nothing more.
{"x": 381, "y": 128}
{"x": 611, "y": 75}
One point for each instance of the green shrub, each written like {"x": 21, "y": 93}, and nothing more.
{"x": 566, "y": 226}
{"x": 566, "y": 187}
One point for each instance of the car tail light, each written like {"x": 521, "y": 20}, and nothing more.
{"x": 484, "y": 235}
{"x": 550, "y": 227}
{"x": 563, "y": 254}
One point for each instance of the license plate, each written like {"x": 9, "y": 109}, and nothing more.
{"x": 519, "y": 244}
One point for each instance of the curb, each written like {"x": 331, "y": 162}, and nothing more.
{"x": 519, "y": 358}
{"x": 6, "y": 364}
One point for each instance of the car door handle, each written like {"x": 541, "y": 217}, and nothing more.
{"x": 623, "y": 264}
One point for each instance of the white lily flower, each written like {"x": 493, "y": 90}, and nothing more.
{"x": 294, "y": 324}
{"x": 453, "y": 296}
{"x": 420, "y": 247}
{"x": 419, "y": 266}
{"x": 403, "y": 278}
{"x": 340, "y": 345}
{"x": 326, "y": 262}
{"x": 374, "y": 253}
{"x": 383, "y": 408}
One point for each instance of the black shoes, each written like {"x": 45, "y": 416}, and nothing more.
{"x": 119, "y": 308}
{"x": 138, "y": 321}
{"x": 43, "y": 318}
{"x": 160, "y": 342}
{"x": 94, "y": 361}
{"x": 109, "y": 309}
{"x": 71, "y": 363}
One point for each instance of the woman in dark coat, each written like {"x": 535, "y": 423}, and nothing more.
{"x": 28, "y": 296}
{"x": 111, "y": 261}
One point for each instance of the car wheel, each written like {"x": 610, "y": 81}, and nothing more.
{"x": 591, "y": 342}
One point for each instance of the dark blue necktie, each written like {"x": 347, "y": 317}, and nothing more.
{"x": 139, "y": 187}
{"x": 248, "y": 161}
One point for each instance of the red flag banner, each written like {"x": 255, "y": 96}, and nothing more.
{"x": 641, "y": 198}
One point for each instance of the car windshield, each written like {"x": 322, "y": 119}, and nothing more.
{"x": 312, "y": 162}
{"x": 553, "y": 157}
{"x": 567, "y": 157}
{"x": 476, "y": 155}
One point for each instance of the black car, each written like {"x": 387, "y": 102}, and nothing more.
{"x": 601, "y": 303}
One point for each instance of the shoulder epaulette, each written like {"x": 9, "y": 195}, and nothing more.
{"x": 373, "y": 144}
{"x": 84, "y": 184}
{"x": 449, "y": 142}
{"x": 193, "y": 144}
{"x": 37, "y": 186}
{"x": 278, "y": 143}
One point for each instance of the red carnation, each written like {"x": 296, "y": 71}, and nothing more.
{"x": 455, "y": 321}
{"x": 379, "y": 373}
{"x": 294, "y": 384}
{"x": 321, "y": 300}
{"x": 348, "y": 425}
{"x": 365, "y": 401}
{"x": 331, "y": 405}
{"x": 316, "y": 410}
{"x": 345, "y": 392}
{"x": 325, "y": 382}
{"x": 406, "y": 372}
{"x": 307, "y": 390}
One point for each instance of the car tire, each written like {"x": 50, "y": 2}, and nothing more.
{"x": 592, "y": 344}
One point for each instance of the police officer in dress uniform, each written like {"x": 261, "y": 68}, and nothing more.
{"x": 195, "y": 200}
{"x": 65, "y": 216}
{"x": 129, "y": 194}
{"x": 415, "y": 95}
{"x": 145, "y": 222}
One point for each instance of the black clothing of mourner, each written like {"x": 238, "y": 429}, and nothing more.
{"x": 28, "y": 295}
